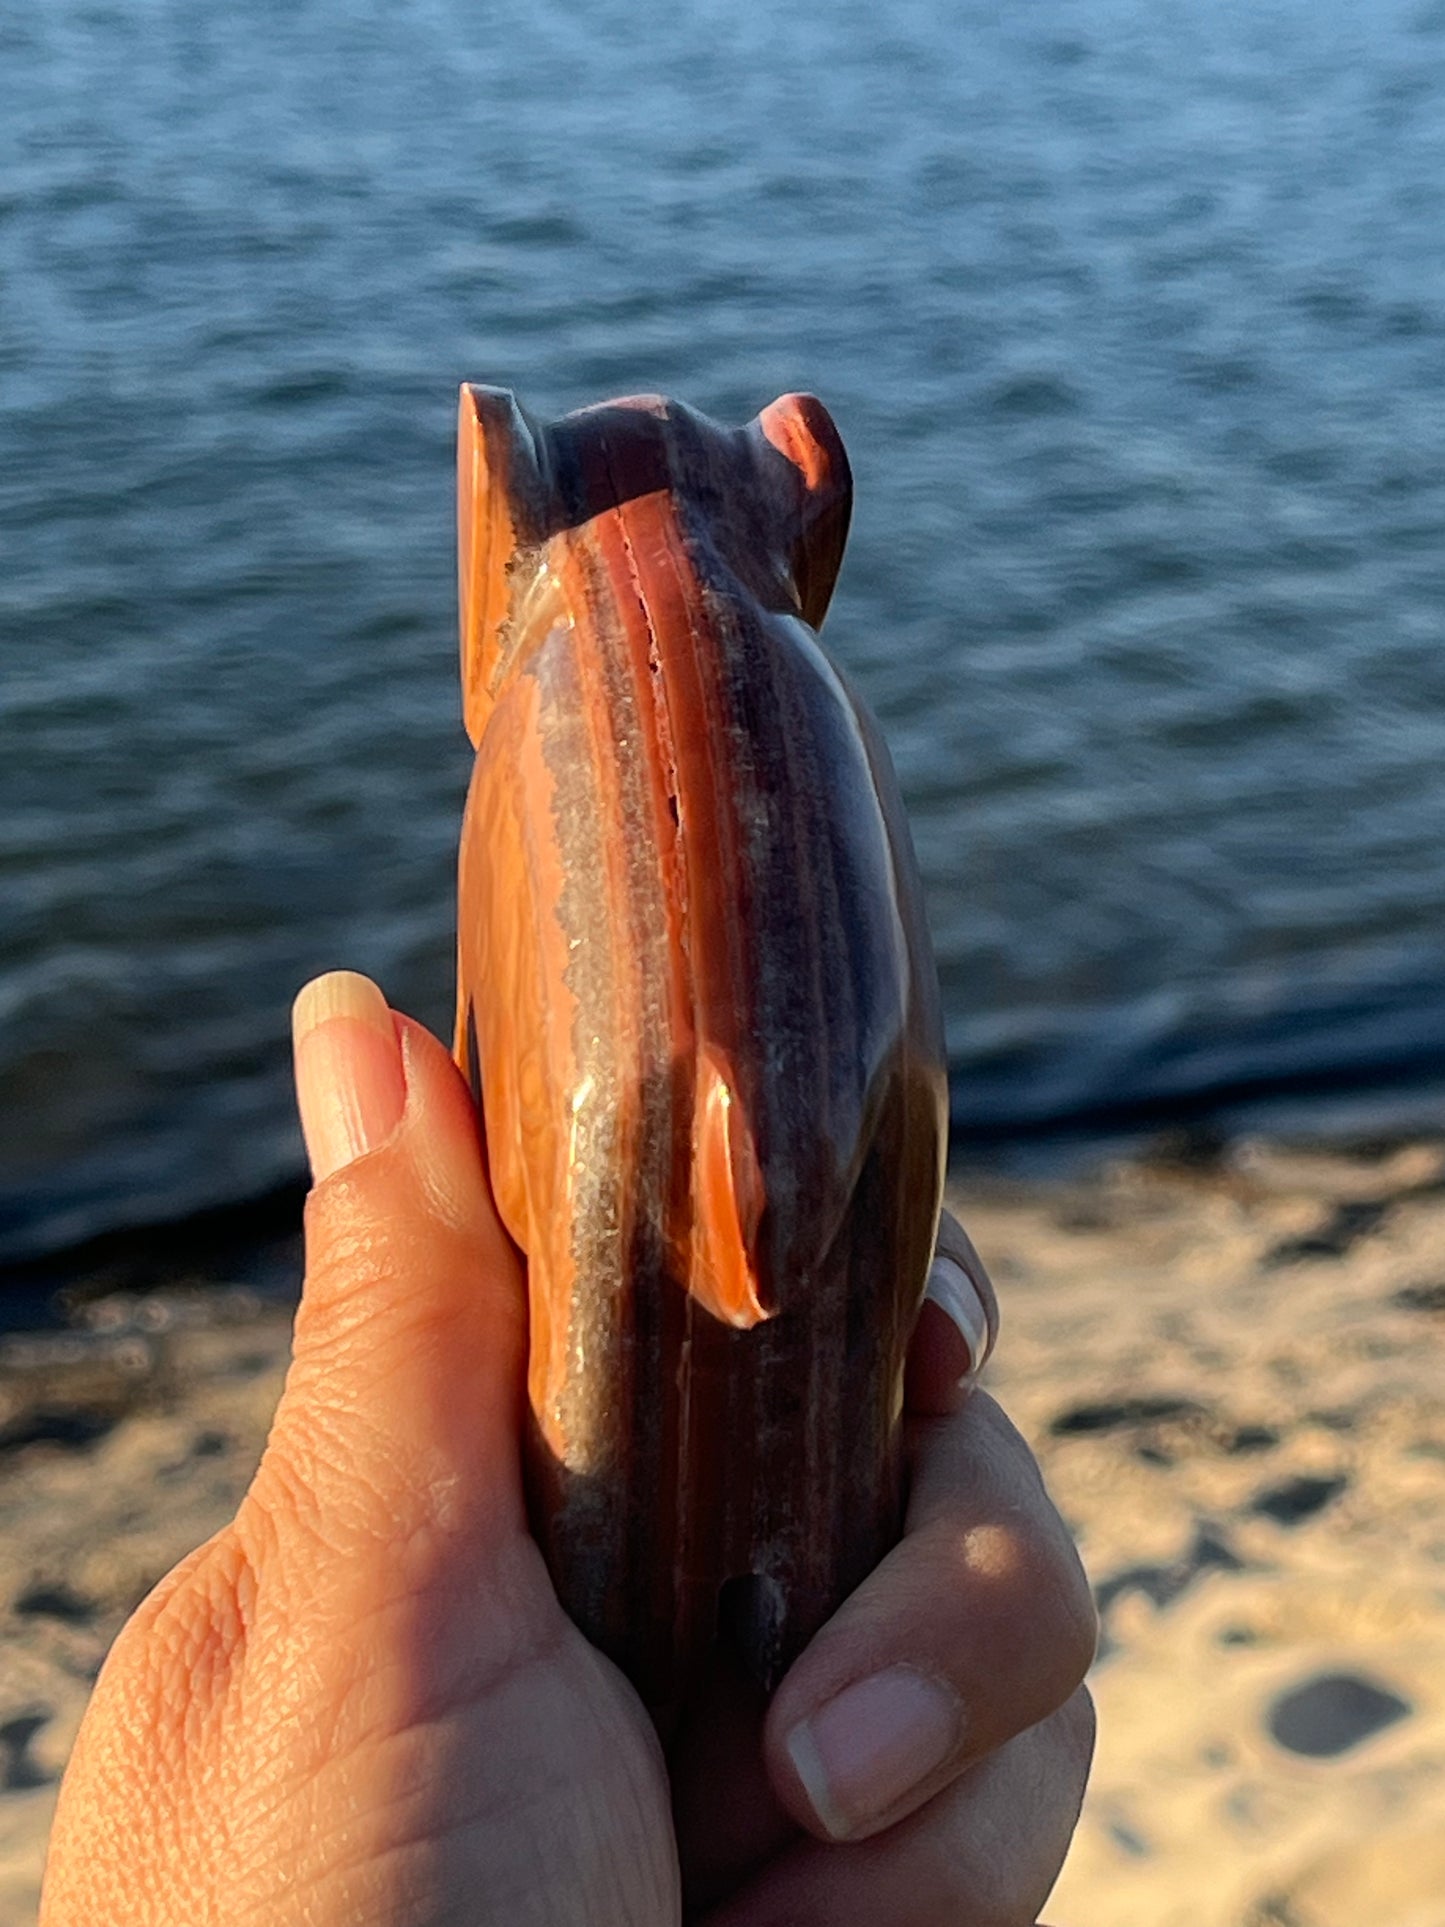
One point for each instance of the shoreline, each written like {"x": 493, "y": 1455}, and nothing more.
{"x": 256, "y": 1236}
{"x": 1364, "y": 1110}
{"x": 1228, "y": 1358}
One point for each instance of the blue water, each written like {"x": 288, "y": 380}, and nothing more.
{"x": 1132, "y": 314}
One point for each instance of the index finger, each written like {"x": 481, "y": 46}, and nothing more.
{"x": 976, "y": 1626}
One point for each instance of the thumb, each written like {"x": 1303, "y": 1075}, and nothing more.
{"x": 401, "y": 1418}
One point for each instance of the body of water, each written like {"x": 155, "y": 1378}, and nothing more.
{"x": 1132, "y": 315}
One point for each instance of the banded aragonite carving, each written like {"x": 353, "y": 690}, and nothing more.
{"x": 697, "y": 997}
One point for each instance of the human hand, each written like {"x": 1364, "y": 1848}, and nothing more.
{"x": 361, "y": 1703}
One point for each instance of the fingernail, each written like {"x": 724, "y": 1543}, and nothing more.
{"x": 350, "y": 1087}
{"x": 866, "y": 1750}
{"x": 952, "y": 1290}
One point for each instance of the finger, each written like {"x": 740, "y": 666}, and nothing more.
{"x": 985, "y": 1853}
{"x": 978, "y": 1624}
{"x": 957, "y": 1326}
{"x": 399, "y": 1419}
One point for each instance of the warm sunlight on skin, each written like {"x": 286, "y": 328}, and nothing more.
{"x": 994, "y": 1555}
{"x": 361, "y": 1704}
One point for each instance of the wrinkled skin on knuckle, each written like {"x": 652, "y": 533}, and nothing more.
{"x": 349, "y": 1247}
{"x": 318, "y": 1497}
{"x": 153, "y": 1754}
{"x": 399, "y": 1614}
{"x": 181, "y": 1659}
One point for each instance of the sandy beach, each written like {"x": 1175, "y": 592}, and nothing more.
{"x": 1230, "y": 1365}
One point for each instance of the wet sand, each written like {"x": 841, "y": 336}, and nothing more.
{"x": 1231, "y": 1367}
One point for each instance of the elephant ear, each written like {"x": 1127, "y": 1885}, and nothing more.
{"x": 501, "y": 491}
{"x": 810, "y": 493}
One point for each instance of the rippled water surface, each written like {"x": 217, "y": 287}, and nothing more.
{"x": 1133, "y": 316}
